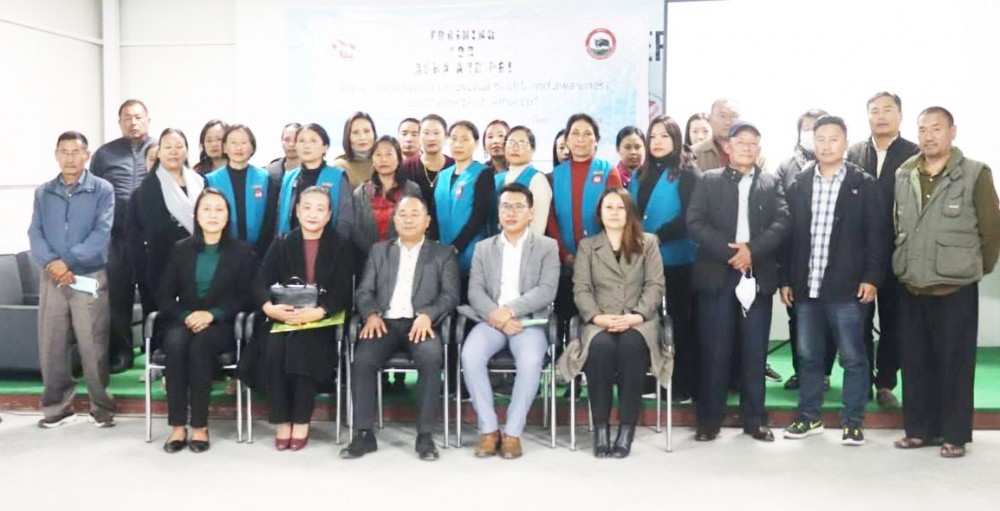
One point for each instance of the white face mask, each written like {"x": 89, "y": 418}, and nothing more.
{"x": 746, "y": 291}
{"x": 806, "y": 141}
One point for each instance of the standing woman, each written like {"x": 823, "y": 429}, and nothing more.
{"x": 662, "y": 193}
{"x": 698, "y": 129}
{"x": 252, "y": 195}
{"x": 618, "y": 287}
{"x": 519, "y": 149}
{"x": 632, "y": 151}
{"x": 560, "y": 151}
{"x": 375, "y": 200}
{"x": 464, "y": 197}
{"x": 165, "y": 212}
{"x": 205, "y": 285}
{"x": 210, "y": 141}
{"x": 358, "y": 141}
{"x": 297, "y": 362}
{"x": 311, "y": 143}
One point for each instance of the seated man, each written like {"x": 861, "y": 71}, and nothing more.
{"x": 514, "y": 276}
{"x": 408, "y": 284}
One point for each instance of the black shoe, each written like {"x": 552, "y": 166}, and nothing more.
{"x": 362, "y": 443}
{"x": 623, "y": 444}
{"x": 172, "y": 446}
{"x": 771, "y": 374}
{"x": 121, "y": 362}
{"x": 762, "y": 433}
{"x": 602, "y": 441}
{"x": 792, "y": 383}
{"x": 59, "y": 420}
{"x": 198, "y": 446}
{"x": 706, "y": 433}
{"x": 426, "y": 448}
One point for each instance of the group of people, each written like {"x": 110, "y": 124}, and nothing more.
{"x": 397, "y": 235}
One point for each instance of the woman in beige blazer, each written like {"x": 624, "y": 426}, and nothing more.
{"x": 618, "y": 288}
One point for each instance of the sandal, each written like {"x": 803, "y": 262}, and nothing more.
{"x": 910, "y": 443}
{"x": 952, "y": 451}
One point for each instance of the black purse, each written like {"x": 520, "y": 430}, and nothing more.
{"x": 296, "y": 293}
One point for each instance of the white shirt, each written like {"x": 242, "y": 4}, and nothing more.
{"x": 743, "y": 213}
{"x": 401, "y": 303}
{"x": 880, "y": 155}
{"x": 510, "y": 269}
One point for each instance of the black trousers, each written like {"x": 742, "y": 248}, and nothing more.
{"x": 121, "y": 296}
{"x": 793, "y": 340}
{"x": 680, "y": 306}
{"x": 616, "y": 358}
{"x": 885, "y": 363}
{"x": 291, "y": 397}
{"x": 939, "y": 336}
{"x": 565, "y": 305}
{"x": 371, "y": 354}
{"x": 191, "y": 362}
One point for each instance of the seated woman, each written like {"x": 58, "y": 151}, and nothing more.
{"x": 297, "y": 362}
{"x": 202, "y": 290}
{"x": 618, "y": 287}
{"x": 375, "y": 200}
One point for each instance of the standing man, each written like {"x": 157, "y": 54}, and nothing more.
{"x": 494, "y": 138}
{"x": 880, "y": 156}
{"x": 409, "y": 138}
{"x": 947, "y": 237}
{"x": 122, "y": 163}
{"x": 739, "y": 218}
{"x": 69, "y": 234}
{"x": 831, "y": 266}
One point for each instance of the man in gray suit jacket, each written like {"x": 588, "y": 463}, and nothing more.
{"x": 514, "y": 278}
{"x": 408, "y": 284}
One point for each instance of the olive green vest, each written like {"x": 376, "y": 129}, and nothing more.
{"x": 938, "y": 243}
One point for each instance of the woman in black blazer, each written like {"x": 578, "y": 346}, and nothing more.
{"x": 296, "y": 363}
{"x": 203, "y": 288}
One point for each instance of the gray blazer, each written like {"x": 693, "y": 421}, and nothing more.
{"x": 539, "y": 277}
{"x": 604, "y": 285}
{"x": 364, "y": 232}
{"x": 435, "y": 284}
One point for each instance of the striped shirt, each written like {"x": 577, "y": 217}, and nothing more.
{"x": 824, "y": 202}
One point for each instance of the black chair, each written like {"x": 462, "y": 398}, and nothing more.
{"x": 339, "y": 387}
{"x": 400, "y": 362}
{"x": 19, "y": 313}
{"x": 503, "y": 363}
{"x": 158, "y": 360}
{"x": 667, "y": 340}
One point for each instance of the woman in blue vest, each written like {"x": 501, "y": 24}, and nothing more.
{"x": 577, "y": 184}
{"x": 312, "y": 142}
{"x": 662, "y": 192}
{"x": 519, "y": 149}
{"x": 252, "y": 195}
{"x": 464, "y": 197}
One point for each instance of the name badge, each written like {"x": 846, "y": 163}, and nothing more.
{"x": 258, "y": 192}
{"x": 597, "y": 179}
{"x": 458, "y": 192}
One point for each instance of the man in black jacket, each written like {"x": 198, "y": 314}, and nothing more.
{"x": 739, "y": 218}
{"x": 880, "y": 156}
{"x": 831, "y": 266}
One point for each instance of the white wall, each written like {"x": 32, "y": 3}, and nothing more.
{"x": 51, "y": 62}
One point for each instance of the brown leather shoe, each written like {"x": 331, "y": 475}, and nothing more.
{"x": 510, "y": 448}
{"x": 488, "y": 444}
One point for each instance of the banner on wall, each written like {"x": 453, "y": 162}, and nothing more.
{"x": 533, "y": 71}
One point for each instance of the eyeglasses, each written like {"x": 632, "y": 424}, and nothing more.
{"x": 524, "y": 144}
{"x": 515, "y": 208}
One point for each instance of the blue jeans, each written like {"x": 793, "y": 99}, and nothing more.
{"x": 721, "y": 327}
{"x": 844, "y": 321}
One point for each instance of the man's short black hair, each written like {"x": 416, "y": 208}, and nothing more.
{"x": 72, "y": 135}
{"x": 830, "y": 119}
{"x": 130, "y": 102}
{"x": 519, "y": 188}
{"x": 939, "y": 110}
{"x": 885, "y": 94}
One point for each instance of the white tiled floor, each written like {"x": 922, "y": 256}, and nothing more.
{"x": 89, "y": 468}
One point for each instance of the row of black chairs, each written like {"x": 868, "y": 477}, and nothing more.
{"x": 401, "y": 362}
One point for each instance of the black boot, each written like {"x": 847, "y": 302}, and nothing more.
{"x": 602, "y": 440}
{"x": 623, "y": 444}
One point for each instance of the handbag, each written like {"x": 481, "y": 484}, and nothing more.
{"x": 296, "y": 293}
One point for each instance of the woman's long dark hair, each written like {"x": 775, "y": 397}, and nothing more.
{"x": 204, "y": 160}
{"x": 170, "y": 131}
{"x": 680, "y": 157}
{"x": 398, "y": 176}
{"x": 632, "y": 237}
{"x": 687, "y": 128}
{"x": 555, "y": 148}
{"x": 199, "y": 235}
{"x": 346, "y": 140}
